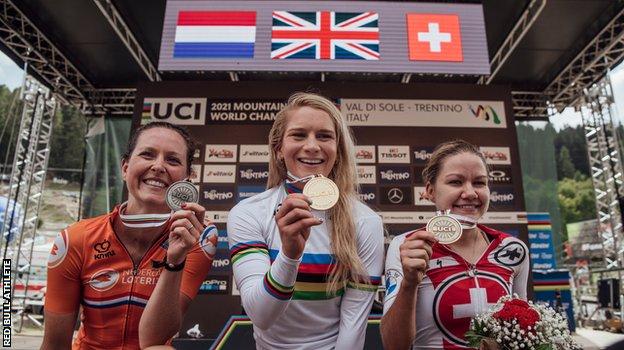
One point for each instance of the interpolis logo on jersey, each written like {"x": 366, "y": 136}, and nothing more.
{"x": 103, "y": 280}
{"x": 500, "y": 176}
{"x": 254, "y": 153}
{"x": 219, "y": 173}
{"x": 393, "y": 154}
{"x": 365, "y": 154}
{"x": 394, "y": 175}
{"x": 366, "y": 174}
{"x": 102, "y": 250}
{"x": 220, "y": 154}
{"x": 60, "y": 246}
{"x": 253, "y": 173}
{"x": 215, "y": 194}
{"x": 181, "y": 111}
{"x": 496, "y": 155}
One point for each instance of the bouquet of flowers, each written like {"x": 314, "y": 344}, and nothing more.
{"x": 517, "y": 324}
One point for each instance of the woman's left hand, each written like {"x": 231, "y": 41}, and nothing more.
{"x": 187, "y": 225}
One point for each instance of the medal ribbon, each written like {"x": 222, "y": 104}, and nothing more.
{"x": 465, "y": 221}
{"x": 141, "y": 220}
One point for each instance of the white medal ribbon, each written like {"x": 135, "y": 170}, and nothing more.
{"x": 291, "y": 178}
{"x": 141, "y": 220}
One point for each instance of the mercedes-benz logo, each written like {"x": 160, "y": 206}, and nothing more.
{"x": 395, "y": 195}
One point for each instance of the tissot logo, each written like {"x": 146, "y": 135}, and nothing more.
{"x": 253, "y": 173}
{"x": 218, "y": 194}
{"x": 184, "y": 111}
{"x": 368, "y": 194}
{"x": 500, "y": 176}
{"x": 393, "y": 154}
{"x": 395, "y": 195}
{"x": 219, "y": 173}
{"x": 365, "y": 154}
{"x": 220, "y": 154}
{"x": 398, "y": 174}
{"x": 254, "y": 153}
{"x": 366, "y": 174}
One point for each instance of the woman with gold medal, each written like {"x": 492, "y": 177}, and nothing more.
{"x": 307, "y": 254}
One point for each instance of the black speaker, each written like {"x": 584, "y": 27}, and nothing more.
{"x": 609, "y": 293}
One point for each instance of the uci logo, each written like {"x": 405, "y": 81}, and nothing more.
{"x": 182, "y": 111}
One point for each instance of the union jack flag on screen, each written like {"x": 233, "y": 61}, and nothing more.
{"x": 325, "y": 35}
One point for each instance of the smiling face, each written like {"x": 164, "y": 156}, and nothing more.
{"x": 158, "y": 160}
{"x": 461, "y": 185}
{"x": 309, "y": 143}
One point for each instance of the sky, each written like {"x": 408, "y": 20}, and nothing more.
{"x": 11, "y": 75}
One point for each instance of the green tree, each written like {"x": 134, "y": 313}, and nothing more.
{"x": 576, "y": 199}
{"x": 565, "y": 167}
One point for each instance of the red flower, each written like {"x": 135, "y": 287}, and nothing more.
{"x": 519, "y": 310}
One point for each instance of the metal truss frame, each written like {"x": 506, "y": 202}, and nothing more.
{"x": 125, "y": 34}
{"x": 590, "y": 65}
{"x": 514, "y": 37}
{"x": 26, "y": 186}
{"x": 529, "y": 105}
{"x": 606, "y": 168}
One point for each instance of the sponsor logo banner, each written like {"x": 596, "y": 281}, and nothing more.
{"x": 393, "y": 154}
{"x": 221, "y": 262}
{"x": 245, "y": 192}
{"x": 422, "y": 217}
{"x": 496, "y": 155}
{"x": 500, "y": 175}
{"x": 418, "y": 178}
{"x": 366, "y": 174}
{"x": 217, "y": 194}
{"x": 502, "y": 197}
{"x": 421, "y": 154}
{"x": 255, "y": 174}
{"x": 425, "y": 113}
{"x": 196, "y": 174}
{"x": 395, "y": 174}
{"x": 254, "y": 153}
{"x": 219, "y": 174}
{"x": 214, "y": 285}
{"x": 222, "y": 241}
{"x": 217, "y": 217}
{"x": 365, "y": 154}
{"x": 368, "y": 194}
{"x": 398, "y": 195}
{"x": 419, "y": 199}
{"x": 220, "y": 154}
{"x": 181, "y": 111}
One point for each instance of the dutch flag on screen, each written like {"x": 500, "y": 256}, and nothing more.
{"x": 215, "y": 34}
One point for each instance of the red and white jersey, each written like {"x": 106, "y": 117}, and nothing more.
{"x": 453, "y": 291}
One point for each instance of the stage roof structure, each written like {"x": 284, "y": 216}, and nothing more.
{"x": 93, "y": 53}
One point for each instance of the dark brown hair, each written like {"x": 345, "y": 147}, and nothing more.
{"x": 445, "y": 150}
{"x": 191, "y": 145}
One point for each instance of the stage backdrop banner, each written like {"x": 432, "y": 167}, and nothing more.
{"x": 231, "y": 121}
{"x": 324, "y": 36}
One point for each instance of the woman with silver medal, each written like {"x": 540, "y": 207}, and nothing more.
{"x": 439, "y": 277}
{"x": 134, "y": 270}
{"x": 307, "y": 254}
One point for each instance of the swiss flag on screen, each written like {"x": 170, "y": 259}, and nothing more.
{"x": 433, "y": 37}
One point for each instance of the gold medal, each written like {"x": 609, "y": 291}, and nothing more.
{"x": 446, "y": 228}
{"x": 323, "y": 193}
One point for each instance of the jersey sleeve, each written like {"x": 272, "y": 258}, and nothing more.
{"x": 265, "y": 288}
{"x": 393, "y": 272}
{"x": 358, "y": 298}
{"x": 63, "y": 287}
{"x": 199, "y": 261}
{"x": 521, "y": 275}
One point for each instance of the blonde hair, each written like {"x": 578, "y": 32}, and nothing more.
{"x": 342, "y": 236}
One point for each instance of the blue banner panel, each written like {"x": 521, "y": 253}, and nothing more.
{"x": 541, "y": 242}
{"x": 553, "y": 287}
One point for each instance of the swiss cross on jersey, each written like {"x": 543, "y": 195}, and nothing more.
{"x": 434, "y": 37}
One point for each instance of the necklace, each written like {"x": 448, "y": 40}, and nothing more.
{"x": 474, "y": 247}
{"x": 141, "y": 220}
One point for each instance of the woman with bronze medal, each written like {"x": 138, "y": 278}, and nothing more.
{"x": 135, "y": 270}
{"x": 307, "y": 254}
{"x": 439, "y": 277}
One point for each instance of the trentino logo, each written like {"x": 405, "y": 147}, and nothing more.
{"x": 486, "y": 113}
